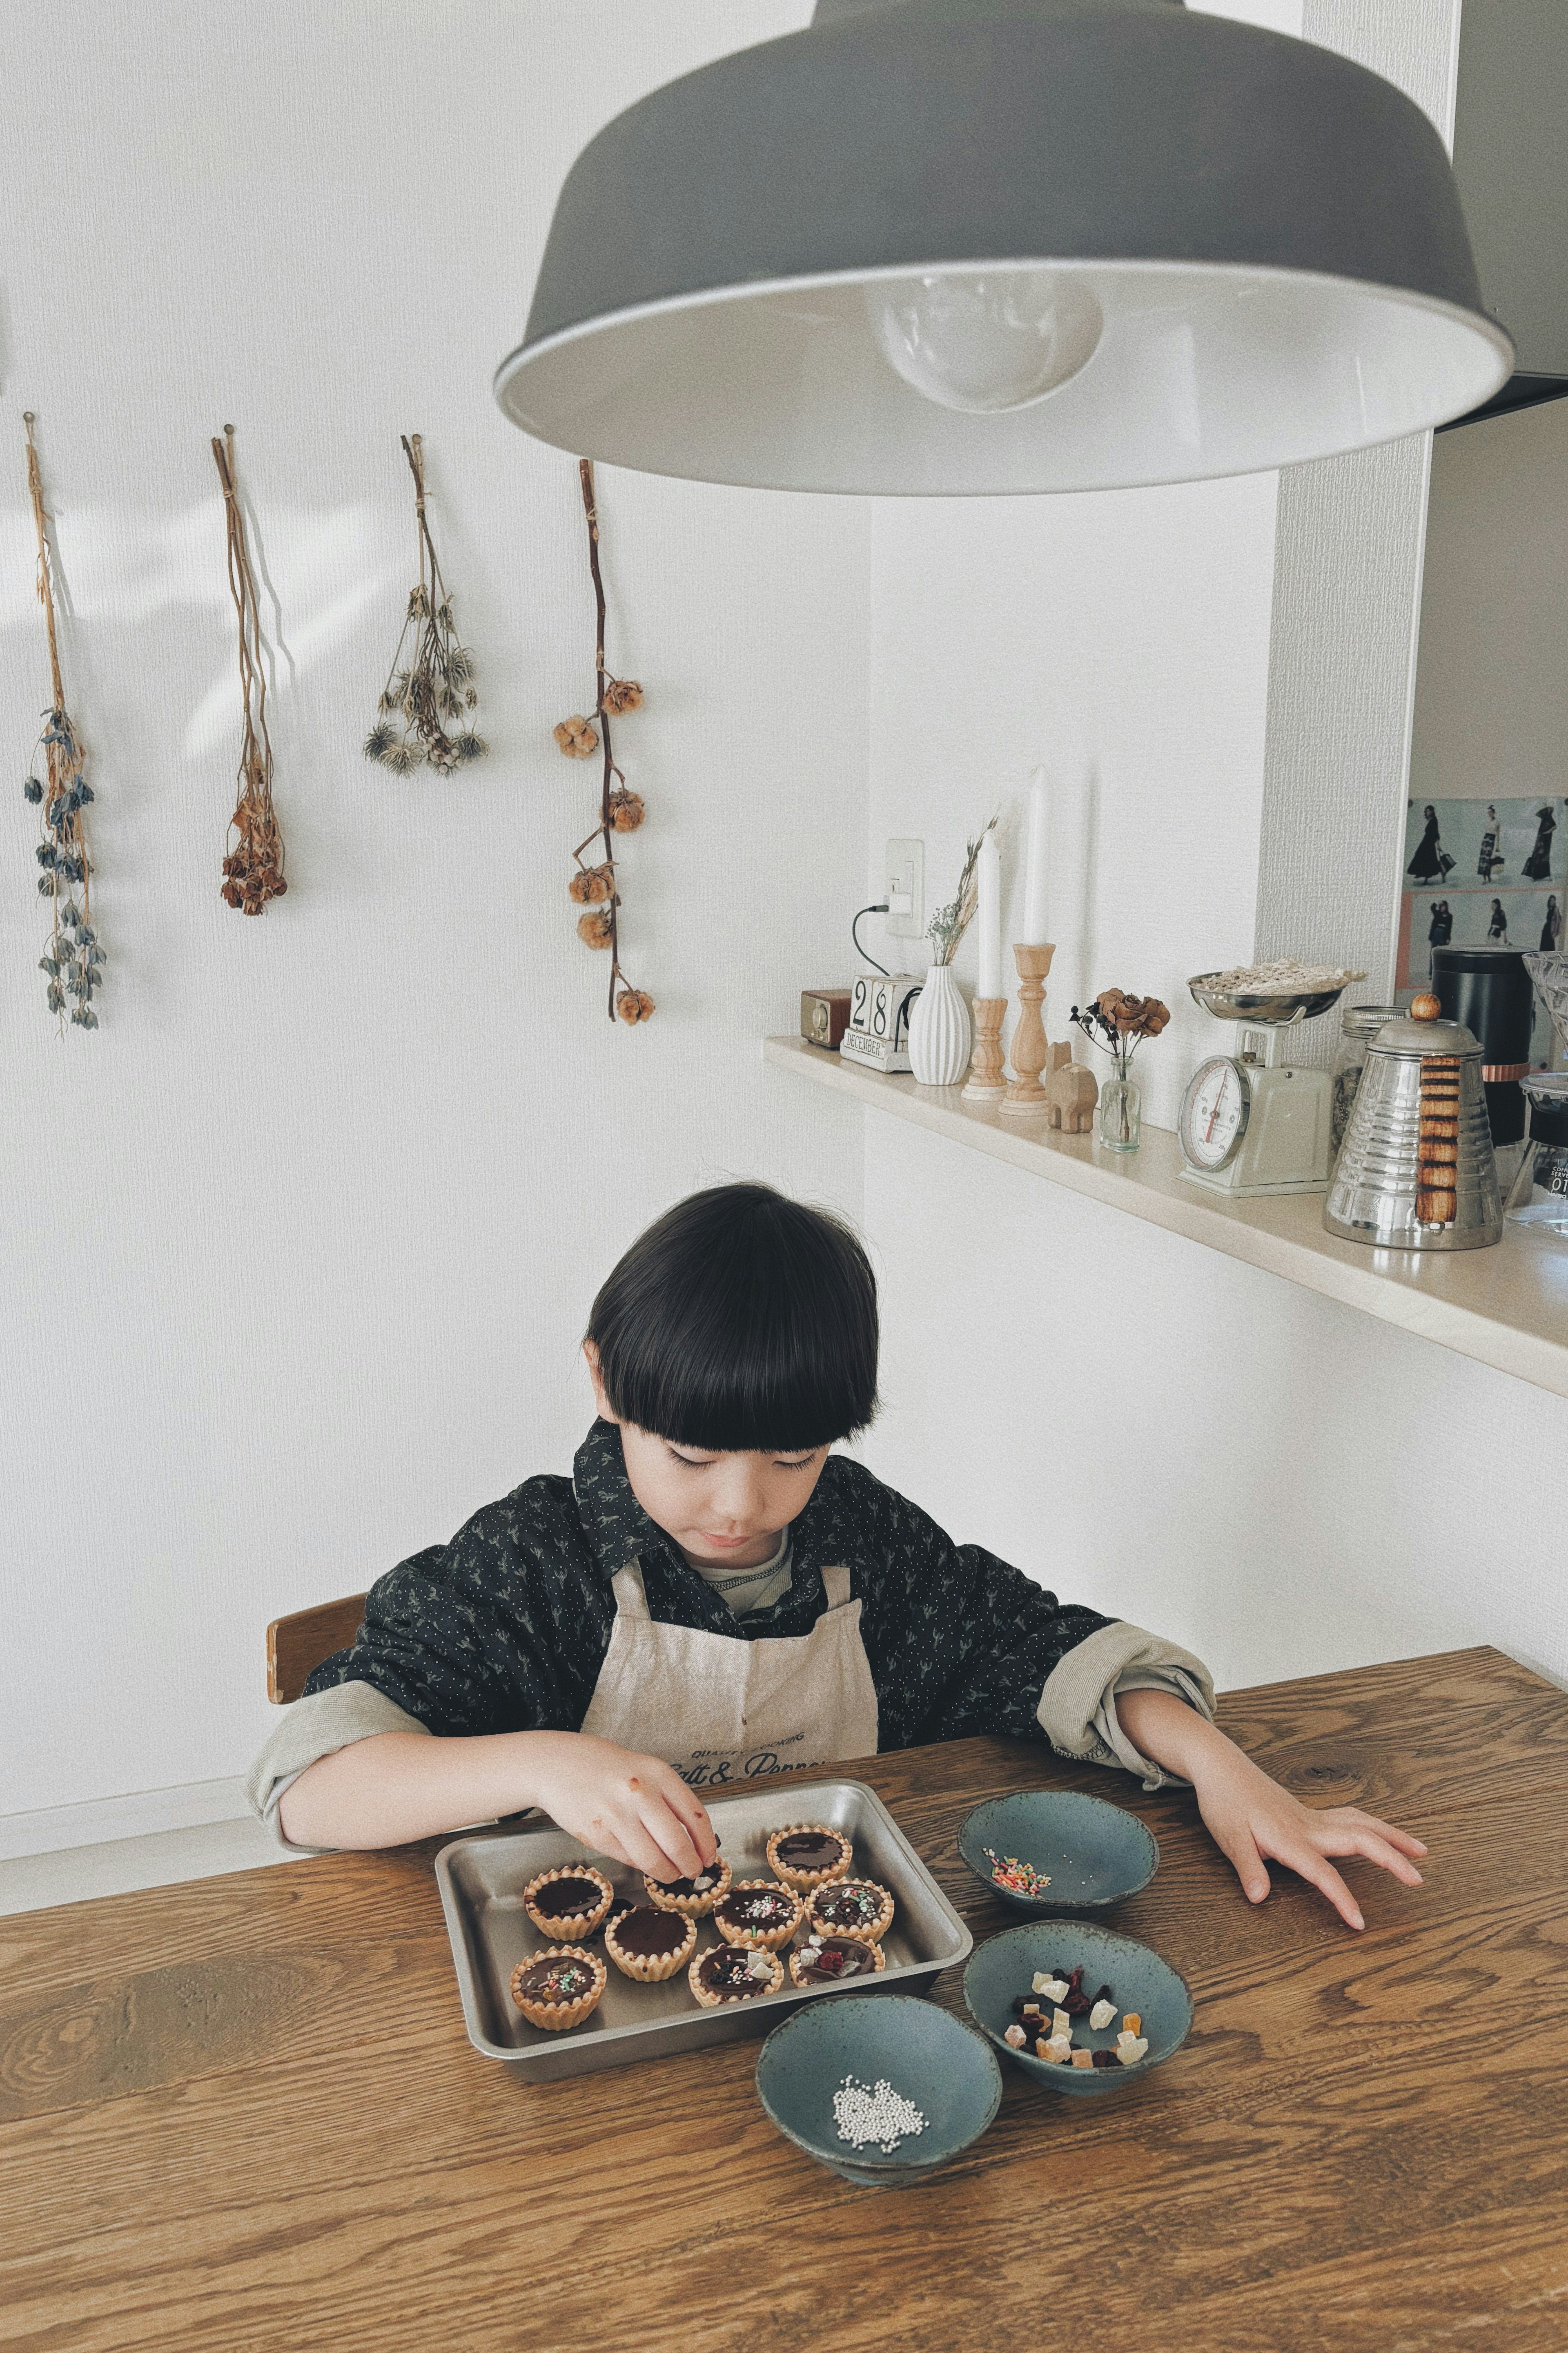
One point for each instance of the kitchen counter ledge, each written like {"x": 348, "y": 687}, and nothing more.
{"x": 1506, "y": 1306}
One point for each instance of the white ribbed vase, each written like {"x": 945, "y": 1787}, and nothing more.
{"x": 939, "y": 1032}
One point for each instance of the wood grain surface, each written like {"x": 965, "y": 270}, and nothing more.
{"x": 242, "y": 2116}
{"x": 300, "y": 1641}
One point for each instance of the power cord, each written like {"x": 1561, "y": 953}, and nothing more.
{"x": 880, "y": 909}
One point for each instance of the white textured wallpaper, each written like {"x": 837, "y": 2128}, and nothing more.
{"x": 299, "y": 1247}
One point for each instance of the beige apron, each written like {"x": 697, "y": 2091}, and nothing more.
{"x": 724, "y": 1711}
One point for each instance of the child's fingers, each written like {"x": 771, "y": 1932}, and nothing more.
{"x": 689, "y": 1807}
{"x": 1395, "y": 1837}
{"x": 681, "y": 1858}
{"x": 1321, "y": 1873}
{"x": 1241, "y": 1849}
{"x": 1368, "y": 1843}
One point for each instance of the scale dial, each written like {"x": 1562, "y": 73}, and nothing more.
{"x": 1215, "y": 1111}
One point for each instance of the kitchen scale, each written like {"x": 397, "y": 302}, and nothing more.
{"x": 1250, "y": 1123}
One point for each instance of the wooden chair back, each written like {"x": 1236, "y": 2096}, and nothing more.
{"x": 301, "y": 1640}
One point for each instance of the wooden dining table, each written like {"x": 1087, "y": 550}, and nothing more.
{"x": 243, "y": 2114}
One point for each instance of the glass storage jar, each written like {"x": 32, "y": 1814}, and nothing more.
{"x": 1539, "y": 1193}
{"x": 1359, "y": 1025}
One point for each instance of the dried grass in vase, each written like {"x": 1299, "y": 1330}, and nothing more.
{"x": 72, "y": 964}
{"x": 253, "y": 862}
{"x": 596, "y": 888}
{"x": 424, "y": 711}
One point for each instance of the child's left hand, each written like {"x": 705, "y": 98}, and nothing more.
{"x": 1251, "y": 1819}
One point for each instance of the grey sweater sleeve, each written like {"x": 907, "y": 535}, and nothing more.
{"x": 313, "y": 1728}
{"x": 1077, "y": 1707}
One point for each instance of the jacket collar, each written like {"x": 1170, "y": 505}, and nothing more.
{"x": 617, "y": 1526}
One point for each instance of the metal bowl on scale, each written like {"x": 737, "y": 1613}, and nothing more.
{"x": 1275, "y": 1011}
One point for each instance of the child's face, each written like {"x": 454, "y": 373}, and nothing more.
{"x": 718, "y": 1508}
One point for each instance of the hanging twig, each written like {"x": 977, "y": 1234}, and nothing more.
{"x": 597, "y": 887}
{"x": 72, "y": 964}
{"x": 428, "y": 694}
{"x": 252, "y": 874}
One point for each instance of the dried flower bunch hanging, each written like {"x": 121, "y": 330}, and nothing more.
{"x": 949, "y": 924}
{"x": 595, "y": 888}
{"x": 72, "y": 964}
{"x": 430, "y": 691}
{"x": 1115, "y": 1023}
{"x": 253, "y": 862}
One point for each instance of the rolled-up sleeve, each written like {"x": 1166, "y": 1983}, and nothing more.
{"x": 313, "y": 1728}
{"x": 1077, "y": 1705}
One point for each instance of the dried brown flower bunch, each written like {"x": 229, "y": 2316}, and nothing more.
{"x": 1115, "y": 1022}
{"x": 252, "y": 874}
{"x": 621, "y": 810}
{"x": 73, "y": 963}
{"x": 424, "y": 711}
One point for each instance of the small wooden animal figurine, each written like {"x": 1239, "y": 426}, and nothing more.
{"x": 1073, "y": 1090}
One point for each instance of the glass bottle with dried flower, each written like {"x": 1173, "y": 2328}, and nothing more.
{"x": 1118, "y": 1024}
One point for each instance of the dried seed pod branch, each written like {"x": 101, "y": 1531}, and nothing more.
{"x": 72, "y": 964}
{"x": 423, "y": 714}
{"x": 253, "y": 861}
{"x": 595, "y": 888}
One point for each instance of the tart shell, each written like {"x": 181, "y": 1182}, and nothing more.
{"x": 582, "y": 1923}
{"x": 764, "y": 1940}
{"x": 719, "y": 2000}
{"x": 695, "y": 1907}
{"x": 865, "y": 1932}
{"x": 650, "y": 1969}
{"x": 556, "y": 2016}
{"x": 804, "y": 1881}
{"x": 810, "y": 1984}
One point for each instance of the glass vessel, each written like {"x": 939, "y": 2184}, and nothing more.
{"x": 1120, "y": 1107}
{"x": 1359, "y": 1025}
{"x": 1539, "y": 1197}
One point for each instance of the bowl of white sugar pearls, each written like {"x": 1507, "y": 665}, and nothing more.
{"x": 880, "y": 2089}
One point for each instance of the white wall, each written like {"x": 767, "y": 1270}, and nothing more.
{"x": 299, "y": 1245}
{"x": 1285, "y": 1485}
{"x": 1491, "y": 696}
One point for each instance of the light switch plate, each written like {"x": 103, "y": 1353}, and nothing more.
{"x": 905, "y": 880}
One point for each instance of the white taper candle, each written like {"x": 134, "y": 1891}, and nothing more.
{"x": 988, "y": 918}
{"x": 1034, "y": 933}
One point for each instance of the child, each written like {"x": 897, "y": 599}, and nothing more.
{"x": 714, "y": 1597}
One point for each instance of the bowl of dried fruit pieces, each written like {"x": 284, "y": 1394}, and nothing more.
{"x": 1078, "y": 2006}
{"x": 1058, "y": 1850}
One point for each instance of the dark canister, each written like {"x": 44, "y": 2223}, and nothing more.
{"x": 1488, "y": 992}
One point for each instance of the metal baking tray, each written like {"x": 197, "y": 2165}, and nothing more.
{"x": 481, "y": 1882}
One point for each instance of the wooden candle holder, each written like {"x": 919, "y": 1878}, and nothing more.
{"x": 985, "y": 1082}
{"x": 1029, "y": 1048}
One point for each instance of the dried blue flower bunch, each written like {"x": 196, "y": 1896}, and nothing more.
{"x": 72, "y": 964}
{"x": 424, "y": 711}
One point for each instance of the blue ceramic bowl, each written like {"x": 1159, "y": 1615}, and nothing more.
{"x": 1095, "y": 1854}
{"x": 1139, "y": 1980}
{"x": 935, "y": 2060}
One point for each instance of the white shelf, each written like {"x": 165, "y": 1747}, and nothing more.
{"x": 1507, "y": 1306}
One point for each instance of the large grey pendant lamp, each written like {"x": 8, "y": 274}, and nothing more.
{"x": 969, "y": 246}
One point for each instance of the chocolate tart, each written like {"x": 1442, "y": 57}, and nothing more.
{"x": 805, "y": 1855}
{"x": 857, "y": 1960}
{"x": 732, "y": 1973}
{"x": 690, "y": 1896}
{"x": 543, "y": 1987}
{"x": 851, "y": 1907}
{"x": 649, "y": 1945}
{"x": 759, "y": 1913}
{"x": 584, "y": 1894}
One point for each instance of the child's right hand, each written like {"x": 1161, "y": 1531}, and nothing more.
{"x": 634, "y": 1808}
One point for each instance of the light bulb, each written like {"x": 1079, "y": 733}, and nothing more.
{"x": 989, "y": 342}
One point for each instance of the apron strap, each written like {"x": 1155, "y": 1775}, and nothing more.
{"x": 836, "y": 1585}
{"x": 627, "y": 1584}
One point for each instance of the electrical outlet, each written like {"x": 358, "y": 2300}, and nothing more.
{"x": 904, "y": 889}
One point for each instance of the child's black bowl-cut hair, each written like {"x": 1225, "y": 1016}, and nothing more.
{"x": 741, "y": 1322}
